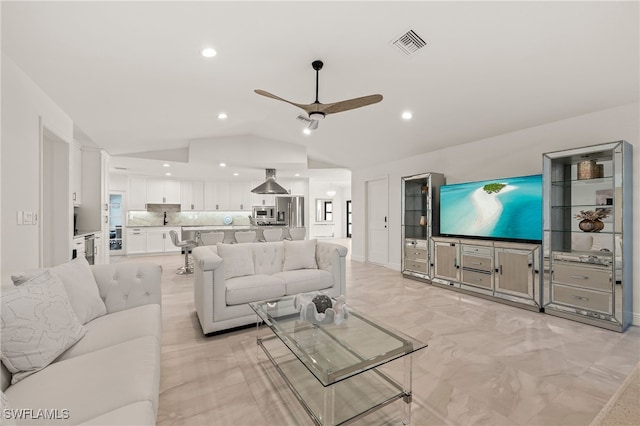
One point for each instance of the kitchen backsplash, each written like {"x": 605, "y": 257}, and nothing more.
{"x": 190, "y": 218}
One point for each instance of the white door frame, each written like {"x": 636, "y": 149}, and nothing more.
{"x": 384, "y": 260}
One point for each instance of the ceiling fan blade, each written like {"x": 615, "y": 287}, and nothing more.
{"x": 313, "y": 125}
{"x": 278, "y": 98}
{"x": 349, "y": 104}
{"x": 304, "y": 118}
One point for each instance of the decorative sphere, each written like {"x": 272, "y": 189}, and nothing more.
{"x": 322, "y": 303}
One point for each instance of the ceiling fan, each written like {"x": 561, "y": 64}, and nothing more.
{"x": 316, "y": 110}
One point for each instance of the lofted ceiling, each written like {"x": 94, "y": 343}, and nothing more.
{"x": 131, "y": 76}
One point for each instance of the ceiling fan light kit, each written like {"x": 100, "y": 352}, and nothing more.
{"x": 318, "y": 111}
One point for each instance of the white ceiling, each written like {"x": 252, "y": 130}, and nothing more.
{"x": 131, "y": 77}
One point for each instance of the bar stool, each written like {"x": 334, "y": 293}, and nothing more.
{"x": 245, "y": 236}
{"x": 297, "y": 233}
{"x": 272, "y": 234}
{"x": 211, "y": 238}
{"x": 185, "y": 245}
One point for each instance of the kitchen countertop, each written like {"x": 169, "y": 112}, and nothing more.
{"x": 82, "y": 234}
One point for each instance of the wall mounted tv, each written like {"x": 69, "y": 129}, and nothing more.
{"x": 498, "y": 209}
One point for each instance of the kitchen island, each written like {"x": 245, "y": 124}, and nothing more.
{"x": 189, "y": 232}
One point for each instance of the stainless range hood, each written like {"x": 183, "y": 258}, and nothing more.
{"x": 270, "y": 186}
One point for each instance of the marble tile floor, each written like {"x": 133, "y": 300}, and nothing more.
{"x": 486, "y": 364}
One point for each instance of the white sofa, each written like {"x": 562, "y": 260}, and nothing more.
{"x": 229, "y": 276}
{"x": 111, "y": 375}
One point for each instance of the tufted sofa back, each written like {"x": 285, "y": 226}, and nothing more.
{"x": 268, "y": 258}
{"x": 127, "y": 285}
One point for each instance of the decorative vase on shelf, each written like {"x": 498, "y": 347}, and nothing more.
{"x": 423, "y": 221}
{"x": 424, "y": 189}
{"x": 588, "y": 225}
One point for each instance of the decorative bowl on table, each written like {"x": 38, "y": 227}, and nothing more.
{"x": 321, "y": 309}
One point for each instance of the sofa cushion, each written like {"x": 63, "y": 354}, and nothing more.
{"x": 299, "y": 255}
{"x": 305, "y": 280}
{"x": 253, "y": 288}
{"x": 268, "y": 257}
{"x": 136, "y": 414}
{"x": 5, "y": 407}
{"x": 96, "y": 383}
{"x": 80, "y": 284}
{"x": 116, "y": 328}
{"x": 38, "y": 324}
{"x": 237, "y": 260}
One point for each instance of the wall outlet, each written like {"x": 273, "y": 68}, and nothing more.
{"x": 27, "y": 218}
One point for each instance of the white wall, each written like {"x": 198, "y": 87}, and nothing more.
{"x": 24, "y": 104}
{"x": 513, "y": 154}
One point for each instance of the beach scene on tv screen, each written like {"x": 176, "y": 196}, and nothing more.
{"x": 509, "y": 208}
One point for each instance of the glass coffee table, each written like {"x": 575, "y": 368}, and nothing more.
{"x": 334, "y": 370}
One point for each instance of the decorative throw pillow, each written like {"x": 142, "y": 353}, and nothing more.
{"x": 80, "y": 284}
{"x": 38, "y": 324}
{"x": 237, "y": 258}
{"x": 300, "y": 255}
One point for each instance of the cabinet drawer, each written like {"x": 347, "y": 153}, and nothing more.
{"x": 413, "y": 243}
{"x": 476, "y": 262}
{"x": 482, "y": 251}
{"x": 412, "y": 265}
{"x": 477, "y": 278}
{"x": 582, "y": 298}
{"x": 595, "y": 278}
{"x": 414, "y": 253}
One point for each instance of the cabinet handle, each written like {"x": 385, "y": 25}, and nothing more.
{"x": 164, "y": 199}
{"x": 95, "y": 250}
{"x": 164, "y": 236}
{"x": 218, "y": 206}
{"x": 580, "y": 277}
{"x": 106, "y": 207}
{"x": 584, "y": 299}
{"x": 106, "y": 219}
{"x": 191, "y": 206}
{"x": 241, "y": 206}
{"x": 74, "y": 196}
{"x": 476, "y": 263}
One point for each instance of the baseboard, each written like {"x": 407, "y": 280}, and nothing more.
{"x": 358, "y": 258}
{"x": 395, "y": 266}
{"x": 636, "y": 319}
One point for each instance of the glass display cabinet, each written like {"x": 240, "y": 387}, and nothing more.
{"x": 588, "y": 234}
{"x": 420, "y": 220}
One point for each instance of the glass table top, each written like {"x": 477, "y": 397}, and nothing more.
{"x": 335, "y": 352}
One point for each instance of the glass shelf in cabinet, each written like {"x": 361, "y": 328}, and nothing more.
{"x": 574, "y": 231}
{"x": 581, "y": 182}
{"x": 583, "y": 206}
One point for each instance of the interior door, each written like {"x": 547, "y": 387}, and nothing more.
{"x": 377, "y": 193}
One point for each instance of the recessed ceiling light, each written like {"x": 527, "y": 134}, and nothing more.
{"x": 222, "y": 116}
{"x": 168, "y": 174}
{"x": 407, "y": 115}
{"x": 236, "y": 174}
{"x": 297, "y": 174}
{"x": 223, "y": 165}
{"x": 306, "y": 131}
{"x": 208, "y": 52}
{"x": 331, "y": 193}
{"x": 165, "y": 165}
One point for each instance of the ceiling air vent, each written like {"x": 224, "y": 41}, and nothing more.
{"x": 409, "y": 43}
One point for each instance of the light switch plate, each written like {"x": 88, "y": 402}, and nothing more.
{"x": 20, "y": 214}
{"x": 27, "y": 218}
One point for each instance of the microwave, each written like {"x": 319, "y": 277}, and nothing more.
{"x": 264, "y": 212}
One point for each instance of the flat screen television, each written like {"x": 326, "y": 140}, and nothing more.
{"x": 508, "y": 209}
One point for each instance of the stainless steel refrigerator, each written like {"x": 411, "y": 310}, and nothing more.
{"x": 290, "y": 211}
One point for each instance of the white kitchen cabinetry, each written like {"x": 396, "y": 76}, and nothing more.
{"x": 78, "y": 246}
{"x": 76, "y": 173}
{"x": 137, "y": 194}
{"x": 240, "y": 196}
{"x": 216, "y": 195}
{"x": 161, "y": 191}
{"x": 191, "y": 195}
{"x": 136, "y": 241}
{"x": 298, "y": 187}
{"x": 99, "y": 253}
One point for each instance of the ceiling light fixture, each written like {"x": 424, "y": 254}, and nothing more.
{"x": 165, "y": 165}
{"x": 168, "y": 174}
{"x": 223, "y": 164}
{"x": 208, "y": 52}
{"x": 297, "y": 174}
{"x": 331, "y": 193}
{"x": 407, "y": 115}
{"x": 236, "y": 174}
{"x": 306, "y": 131}
{"x": 222, "y": 116}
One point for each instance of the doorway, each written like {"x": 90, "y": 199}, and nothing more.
{"x": 377, "y": 200}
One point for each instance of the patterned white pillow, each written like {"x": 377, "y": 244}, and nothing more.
{"x": 38, "y": 324}
{"x": 6, "y": 419}
{"x": 80, "y": 284}
{"x": 299, "y": 255}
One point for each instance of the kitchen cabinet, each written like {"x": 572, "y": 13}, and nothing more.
{"x": 76, "y": 173}
{"x": 445, "y": 265}
{"x": 298, "y": 187}
{"x": 216, "y": 195}
{"x": 590, "y": 268}
{"x": 136, "y": 241}
{"x": 516, "y": 271}
{"x": 99, "y": 253}
{"x": 240, "y": 196}
{"x": 191, "y": 195}
{"x": 78, "y": 246}
{"x": 163, "y": 191}
{"x": 137, "y": 194}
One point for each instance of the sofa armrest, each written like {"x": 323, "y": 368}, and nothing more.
{"x": 206, "y": 257}
{"x": 331, "y": 257}
{"x": 127, "y": 285}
